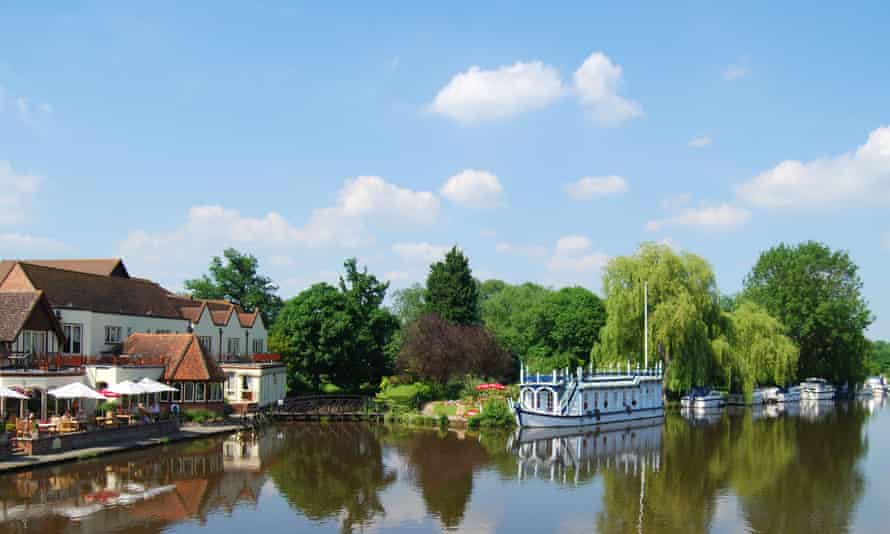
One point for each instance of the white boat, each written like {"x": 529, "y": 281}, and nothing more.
{"x": 564, "y": 399}
{"x": 758, "y": 397}
{"x": 702, "y": 398}
{"x": 788, "y": 395}
{"x": 875, "y": 386}
{"x": 816, "y": 389}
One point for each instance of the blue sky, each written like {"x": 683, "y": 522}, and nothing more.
{"x": 541, "y": 140}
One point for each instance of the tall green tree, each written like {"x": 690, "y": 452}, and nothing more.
{"x": 337, "y": 334}
{"x": 683, "y": 314}
{"x": 509, "y": 312}
{"x": 878, "y": 360}
{"x": 451, "y": 291}
{"x": 313, "y": 334}
{"x": 565, "y": 327}
{"x": 817, "y": 294}
{"x": 756, "y": 350}
{"x": 409, "y": 303}
{"x": 235, "y": 278}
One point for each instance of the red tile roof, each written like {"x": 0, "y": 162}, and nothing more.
{"x": 100, "y": 293}
{"x": 184, "y": 358}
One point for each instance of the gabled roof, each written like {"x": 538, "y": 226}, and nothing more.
{"x": 100, "y": 293}
{"x": 17, "y": 307}
{"x": 220, "y": 311}
{"x": 103, "y": 266}
{"x": 184, "y": 358}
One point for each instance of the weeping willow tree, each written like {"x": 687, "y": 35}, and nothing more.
{"x": 753, "y": 349}
{"x": 684, "y": 315}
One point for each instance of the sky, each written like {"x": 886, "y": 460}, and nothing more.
{"x": 540, "y": 140}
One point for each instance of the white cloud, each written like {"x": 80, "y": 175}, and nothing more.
{"x": 420, "y": 252}
{"x": 860, "y": 176}
{"x": 737, "y": 70}
{"x": 590, "y": 187}
{"x": 700, "y": 142}
{"x": 575, "y": 254}
{"x": 363, "y": 204}
{"x": 526, "y": 251}
{"x": 474, "y": 189}
{"x": 15, "y": 191}
{"x": 20, "y": 245}
{"x": 675, "y": 201}
{"x": 27, "y": 111}
{"x": 479, "y": 95}
{"x": 714, "y": 218}
{"x": 597, "y": 82}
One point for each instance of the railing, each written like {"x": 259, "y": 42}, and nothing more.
{"x": 47, "y": 361}
{"x": 254, "y": 358}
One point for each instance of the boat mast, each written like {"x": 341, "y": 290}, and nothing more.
{"x": 645, "y": 325}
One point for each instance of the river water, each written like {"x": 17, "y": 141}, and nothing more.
{"x": 822, "y": 468}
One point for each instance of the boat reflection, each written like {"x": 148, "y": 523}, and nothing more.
{"x": 571, "y": 454}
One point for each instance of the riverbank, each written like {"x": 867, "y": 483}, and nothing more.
{"x": 187, "y": 432}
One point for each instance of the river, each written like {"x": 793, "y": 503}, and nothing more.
{"x": 821, "y": 468}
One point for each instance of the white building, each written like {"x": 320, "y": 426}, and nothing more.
{"x": 226, "y": 331}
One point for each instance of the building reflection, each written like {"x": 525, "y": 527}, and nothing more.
{"x": 139, "y": 492}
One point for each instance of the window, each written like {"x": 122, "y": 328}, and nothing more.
{"x": 162, "y": 331}
{"x": 199, "y": 392}
{"x": 245, "y": 382}
{"x": 230, "y": 384}
{"x": 176, "y": 396}
{"x": 73, "y": 333}
{"x": 215, "y": 391}
{"x": 233, "y": 345}
{"x": 112, "y": 335}
{"x": 129, "y": 331}
{"x": 165, "y": 396}
{"x": 189, "y": 392}
{"x": 206, "y": 343}
{"x": 258, "y": 346}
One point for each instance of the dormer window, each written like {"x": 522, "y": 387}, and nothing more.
{"x": 112, "y": 335}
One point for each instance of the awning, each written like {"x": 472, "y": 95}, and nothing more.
{"x": 76, "y": 390}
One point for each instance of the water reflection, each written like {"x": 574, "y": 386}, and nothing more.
{"x": 790, "y": 469}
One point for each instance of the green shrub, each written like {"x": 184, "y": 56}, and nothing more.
{"x": 495, "y": 414}
{"x": 443, "y": 421}
{"x": 406, "y": 396}
{"x": 199, "y": 415}
{"x": 108, "y": 406}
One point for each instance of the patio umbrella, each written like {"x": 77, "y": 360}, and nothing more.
{"x": 7, "y": 393}
{"x": 127, "y": 387}
{"x": 76, "y": 390}
{"x": 153, "y": 386}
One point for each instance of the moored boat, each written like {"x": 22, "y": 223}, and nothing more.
{"x": 788, "y": 395}
{"x": 875, "y": 386}
{"x": 816, "y": 389}
{"x": 702, "y": 398}
{"x": 564, "y": 399}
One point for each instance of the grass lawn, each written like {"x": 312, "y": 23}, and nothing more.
{"x": 445, "y": 409}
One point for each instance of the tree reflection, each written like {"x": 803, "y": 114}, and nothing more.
{"x": 327, "y": 470}
{"x": 789, "y": 474}
{"x": 442, "y": 466}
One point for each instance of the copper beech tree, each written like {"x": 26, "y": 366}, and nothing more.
{"x": 435, "y": 350}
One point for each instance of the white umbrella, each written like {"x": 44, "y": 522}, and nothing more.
{"x": 153, "y": 386}
{"x": 7, "y": 393}
{"x": 127, "y": 387}
{"x": 76, "y": 390}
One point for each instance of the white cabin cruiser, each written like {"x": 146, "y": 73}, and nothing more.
{"x": 788, "y": 395}
{"x": 816, "y": 389}
{"x": 702, "y": 398}
{"x": 875, "y": 386}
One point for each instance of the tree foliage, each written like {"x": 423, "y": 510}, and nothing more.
{"x": 236, "y": 280}
{"x": 436, "y": 350}
{"x": 451, "y": 291}
{"x": 544, "y": 328}
{"x": 683, "y": 314}
{"x": 337, "y": 334}
{"x": 817, "y": 294}
{"x": 878, "y": 359}
{"x": 756, "y": 350}
{"x": 409, "y": 303}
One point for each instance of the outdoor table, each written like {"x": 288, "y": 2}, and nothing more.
{"x": 104, "y": 421}
{"x": 46, "y": 427}
{"x": 127, "y": 418}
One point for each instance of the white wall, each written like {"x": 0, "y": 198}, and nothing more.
{"x": 206, "y": 327}
{"x": 93, "y": 337}
{"x": 267, "y": 383}
{"x": 111, "y": 374}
